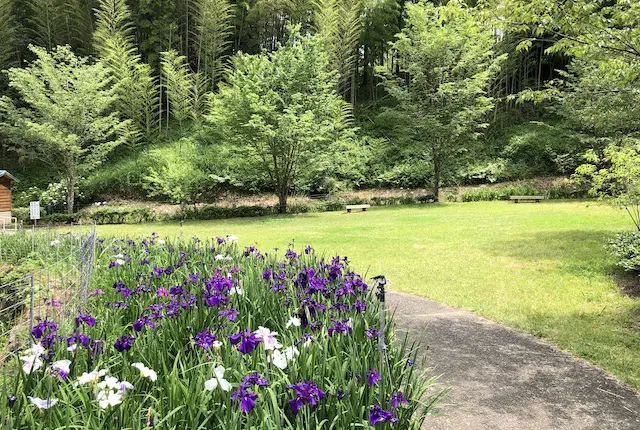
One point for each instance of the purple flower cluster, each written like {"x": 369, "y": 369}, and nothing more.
{"x": 306, "y": 393}
{"x": 247, "y": 341}
{"x": 83, "y": 318}
{"x": 339, "y": 327}
{"x": 124, "y": 343}
{"x": 379, "y": 415}
{"x": 204, "y": 339}
{"x": 246, "y": 398}
{"x": 45, "y": 331}
{"x": 397, "y": 399}
{"x": 244, "y": 395}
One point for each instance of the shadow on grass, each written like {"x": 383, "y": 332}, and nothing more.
{"x": 575, "y": 251}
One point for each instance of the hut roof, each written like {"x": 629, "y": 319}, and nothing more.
{"x": 7, "y": 174}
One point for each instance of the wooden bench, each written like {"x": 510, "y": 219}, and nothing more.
{"x": 531, "y": 199}
{"x": 363, "y": 207}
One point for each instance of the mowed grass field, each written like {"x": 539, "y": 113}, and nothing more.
{"x": 541, "y": 268}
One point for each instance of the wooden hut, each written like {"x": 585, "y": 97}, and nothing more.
{"x": 6, "y": 180}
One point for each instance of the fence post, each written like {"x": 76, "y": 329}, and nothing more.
{"x": 86, "y": 266}
{"x": 32, "y": 304}
{"x": 381, "y": 282}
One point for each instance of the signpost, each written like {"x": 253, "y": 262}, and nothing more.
{"x": 34, "y": 214}
{"x": 34, "y": 211}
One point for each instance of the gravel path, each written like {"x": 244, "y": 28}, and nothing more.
{"x": 503, "y": 379}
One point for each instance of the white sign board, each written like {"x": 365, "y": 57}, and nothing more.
{"x": 34, "y": 210}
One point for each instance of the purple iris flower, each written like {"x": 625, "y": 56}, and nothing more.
{"x": 254, "y": 379}
{"x": 139, "y": 324}
{"x": 278, "y": 287}
{"x": 307, "y": 393}
{"x": 398, "y": 399}
{"x": 246, "y": 398}
{"x": 45, "y": 330}
{"x": 379, "y": 415}
{"x": 85, "y": 319}
{"x": 266, "y": 275}
{"x": 124, "y": 343}
{"x": 290, "y": 254}
{"x": 231, "y": 314}
{"x": 305, "y": 337}
{"x": 212, "y": 300}
{"x": 371, "y": 333}
{"x": 360, "y": 306}
{"x": 204, "y": 339}
{"x": 339, "y": 394}
{"x": 39, "y": 330}
{"x": 373, "y": 377}
{"x": 308, "y": 249}
{"x": 247, "y": 340}
{"x": 339, "y": 327}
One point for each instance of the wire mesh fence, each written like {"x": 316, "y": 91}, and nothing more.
{"x": 45, "y": 273}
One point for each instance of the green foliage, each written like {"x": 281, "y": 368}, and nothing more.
{"x": 625, "y": 247}
{"x": 122, "y": 178}
{"x": 565, "y": 190}
{"x": 8, "y": 30}
{"x": 46, "y": 21}
{"x": 60, "y": 22}
{"x": 67, "y": 121}
{"x": 121, "y": 215}
{"x": 283, "y": 108}
{"x": 339, "y": 25}
{"x": 448, "y": 64}
{"x": 541, "y": 149}
{"x": 214, "y": 24}
{"x": 178, "y": 85}
{"x": 136, "y": 87}
{"x": 614, "y": 176}
{"x": 185, "y": 174}
{"x": 156, "y": 28}
{"x": 184, "y": 89}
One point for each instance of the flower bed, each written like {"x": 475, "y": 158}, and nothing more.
{"x": 207, "y": 335}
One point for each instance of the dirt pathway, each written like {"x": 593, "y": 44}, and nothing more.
{"x": 502, "y": 379}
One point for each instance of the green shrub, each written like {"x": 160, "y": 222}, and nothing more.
{"x": 626, "y": 248}
{"x": 60, "y": 218}
{"x": 121, "y": 215}
{"x": 21, "y": 213}
{"x": 563, "y": 191}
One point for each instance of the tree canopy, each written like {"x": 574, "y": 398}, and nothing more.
{"x": 284, "y": 107}
{"x": 67, "y": 119}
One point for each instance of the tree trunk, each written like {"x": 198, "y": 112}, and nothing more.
{"x": 71, "y": 182}
{"x": 282, "y": 200}
{"x": 436, "y": 178}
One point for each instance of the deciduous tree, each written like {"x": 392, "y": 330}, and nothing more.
{"x": 65, "y": 114}
{"x": 447, "y": 64}
{"x": 283, "y": 108}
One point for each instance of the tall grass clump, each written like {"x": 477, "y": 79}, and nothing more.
{"x": 203, "y": 334}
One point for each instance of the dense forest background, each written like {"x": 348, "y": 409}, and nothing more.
{"x": 555, "y": 83}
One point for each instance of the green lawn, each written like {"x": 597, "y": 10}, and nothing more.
{"x": 541, "y": 268}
